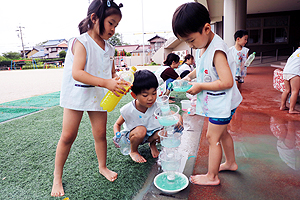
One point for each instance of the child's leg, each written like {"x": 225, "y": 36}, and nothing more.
{"x": 238, "y": 84}
{"x": 98, "y": 122}
{"x": 71, "y": 121}
{"x": 136, "y": 137}
{"x": 295, "y": 86}
{"x": 228, "y": 147}
{"x": 285, "y": 95}
{"x": 153, "y": 139}
{"x": 213, "y": 136}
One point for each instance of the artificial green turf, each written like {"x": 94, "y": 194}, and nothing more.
{"x": 46, "y": 100}
{"x": 18, "y": 108}
{"x": 27, "y": 151}
{"x": 11, "y": 113}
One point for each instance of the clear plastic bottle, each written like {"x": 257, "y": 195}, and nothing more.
{"x": 110, "y": 100}
{"x": 192, "y": 109}
{"x": 123, "y": 142}
{"x": 180, "y": 85}
{"x": 249, "y": 60}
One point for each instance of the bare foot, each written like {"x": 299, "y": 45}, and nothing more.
{"x": 294, "y": 112}
{"x": 204, "y": 180}
{"x": 171, "y": 101}
{"x": 283, "y": 108}
{"x": 136, "y": 157}
{"x": 57, "y": 188}
{"x": 108, "y": 174}
{"x": 225, "y": 166}
{"x": 154, "y": 150}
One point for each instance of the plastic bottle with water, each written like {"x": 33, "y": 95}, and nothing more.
{"x": 180, "y": 85}
{"x": 249, "y": 60}
{"x": 192, "y": 109}
{"x": 123, "y": 142}
{"x": 110, "y": 100}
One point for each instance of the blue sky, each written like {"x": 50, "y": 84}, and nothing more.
{"x": 58, "y": 19}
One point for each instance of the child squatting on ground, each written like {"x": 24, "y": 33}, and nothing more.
{"x": 89, "y": 63}
{"x": 240, "y": 55}
{"x": 217, "y": 93}
{"x": 137, "y": 116}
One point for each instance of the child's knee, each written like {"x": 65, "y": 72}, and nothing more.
{"x": 138, "y": 133}
{"x": 68, "y": 139}
{"x": 212, "y": 140}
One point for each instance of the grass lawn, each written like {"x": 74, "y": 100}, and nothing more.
{"x": 27, "y": 151}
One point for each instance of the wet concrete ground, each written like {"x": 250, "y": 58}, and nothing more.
{"x": 267, "y": 141}
{"x": 267, "y": 147}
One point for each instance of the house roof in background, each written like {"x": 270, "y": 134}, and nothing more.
{"x": 157, "y": 37}
{"x": 54, "y": 42}
{"x": 140, "y": 48}
{"x": 39, "y": 48}
{"x": 39, "y": 54}
{"x": 127, "y": 48}
{"x": 63, "y": 45}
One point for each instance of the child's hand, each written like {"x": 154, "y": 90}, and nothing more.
{"x": 116, "y": 85}
{"x": 179, "y": 126}
{"x": 187, "y": 78}
{"x": 195, "y": 89}
{"x": 115, "y": 142}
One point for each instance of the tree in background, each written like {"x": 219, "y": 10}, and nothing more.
{"x": 12, "y": 55}
{"x": 115, "y": 40}
{"x": 62, "y": 54}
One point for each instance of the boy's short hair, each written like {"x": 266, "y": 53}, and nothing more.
{"x": 189, "y": 18}
{"x": 240, "y": 34}
{"x": 143, "y": 80}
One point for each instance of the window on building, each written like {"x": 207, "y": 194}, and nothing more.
{"x": 269, "y": 30}
{"x": 254, "y": 36}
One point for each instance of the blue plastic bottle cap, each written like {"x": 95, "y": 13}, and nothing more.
{"x": 118, "y": 134}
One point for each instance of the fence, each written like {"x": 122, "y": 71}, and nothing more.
{"x": 132, "y": 60}
{"x": 273, "y": 55}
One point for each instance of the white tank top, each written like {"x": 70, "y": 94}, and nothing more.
{"x": 79, "y": 96}
{"x": 293, "y": 64}
{"x": 215, "y": 103}
{"x": 134, "y": 117}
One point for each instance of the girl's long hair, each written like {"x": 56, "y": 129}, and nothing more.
{"x": 103, "y": 9}
{"x": 170, "y": 58}
{"x": 187, "y": 57}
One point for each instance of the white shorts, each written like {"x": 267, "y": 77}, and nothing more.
{"x": 288, "y": 77}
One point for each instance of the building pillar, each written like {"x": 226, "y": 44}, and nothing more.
{"x": 235, "y": 15}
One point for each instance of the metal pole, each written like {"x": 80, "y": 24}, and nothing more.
{"x": 20, "y": 29}
{"x": 260, "y": 57}
{"x": 143, "y": 33}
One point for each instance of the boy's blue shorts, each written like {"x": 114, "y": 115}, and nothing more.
{"x": 222, "y": 121}
{"x": 167, "y": 83}
{"x": 149, "y": 134}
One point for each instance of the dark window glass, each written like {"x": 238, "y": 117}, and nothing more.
{"x": 254, "y": 36}
{"x": 268, "y": 36}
